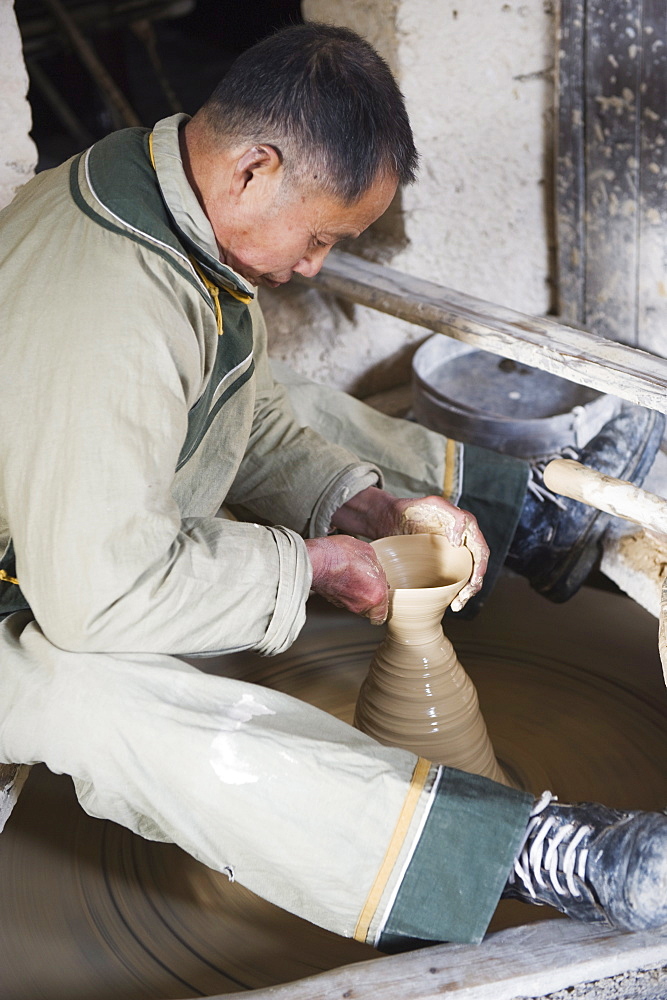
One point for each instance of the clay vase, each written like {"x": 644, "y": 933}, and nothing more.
{"x": 417, "y": 695}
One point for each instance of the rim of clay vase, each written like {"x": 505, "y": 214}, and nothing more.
{"x": 423, "y": 562}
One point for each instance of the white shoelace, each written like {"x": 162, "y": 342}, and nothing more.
{"x": 530, "y": 863}
{"x": 536, "y": 478}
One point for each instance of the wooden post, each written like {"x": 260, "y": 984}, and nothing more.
{"x": 611, "y": 169}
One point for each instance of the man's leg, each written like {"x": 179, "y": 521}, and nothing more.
{"x": 365, "y": 840}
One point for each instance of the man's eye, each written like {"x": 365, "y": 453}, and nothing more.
{"x": 320, "y": 243}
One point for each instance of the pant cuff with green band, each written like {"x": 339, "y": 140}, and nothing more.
{"x": 473, "y": 832}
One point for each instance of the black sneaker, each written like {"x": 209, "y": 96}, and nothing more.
{"x": 594, "y": 864}
{"x": 557, "y": 540}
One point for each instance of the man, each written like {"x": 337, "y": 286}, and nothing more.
{"x": 136, "y": 398}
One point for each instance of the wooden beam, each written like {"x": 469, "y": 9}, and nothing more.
{"x": 528, "y": 961}
{"x": 542, "y": 342}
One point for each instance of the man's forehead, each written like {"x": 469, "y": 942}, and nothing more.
{"x": 344, "y": 220}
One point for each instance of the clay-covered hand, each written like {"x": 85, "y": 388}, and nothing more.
{"x": 347, "y": 573}
{"x": 375, "y": 513}
{"x": 437, "y": 515}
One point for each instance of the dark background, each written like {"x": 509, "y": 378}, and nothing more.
{"x": 194, "y": 42}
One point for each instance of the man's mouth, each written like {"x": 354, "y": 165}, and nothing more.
{"x": 272, "y": 283}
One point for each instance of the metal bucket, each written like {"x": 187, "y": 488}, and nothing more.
{"x": 480, "y": 398}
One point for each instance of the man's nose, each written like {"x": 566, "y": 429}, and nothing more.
{"x": 311, "y": 263}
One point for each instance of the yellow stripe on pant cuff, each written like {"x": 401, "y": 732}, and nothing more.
{"x": 419, "y": 776}
{"x": 450, "y": 468}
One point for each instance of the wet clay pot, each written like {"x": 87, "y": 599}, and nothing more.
{"x": 417, "y": 695}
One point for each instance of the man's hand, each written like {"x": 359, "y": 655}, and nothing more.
{"x": 437, "y": 515}
{"x": 374, "y": 513}
{"x": 347, "y": 573}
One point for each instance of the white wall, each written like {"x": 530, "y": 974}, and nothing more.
{"x": 477, "y": 218}
{"x": 18, "y": 155}
{"x": 477, "y": 77}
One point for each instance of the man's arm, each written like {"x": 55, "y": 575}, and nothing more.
{"x": 293, "y": 476}
{"x": 290, "y": 475}
{"x": 115, "y": 552}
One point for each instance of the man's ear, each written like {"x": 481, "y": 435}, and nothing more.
{"x": 257, "y": 163}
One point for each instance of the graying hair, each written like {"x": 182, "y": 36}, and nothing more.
{"x": 324, "y": 98}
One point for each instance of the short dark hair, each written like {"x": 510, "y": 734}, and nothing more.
{"x": 324, "y": 98}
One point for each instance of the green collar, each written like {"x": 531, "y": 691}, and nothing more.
{"x": 184, "y": 208}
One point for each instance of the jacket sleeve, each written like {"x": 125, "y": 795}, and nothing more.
{"x": 94, "y": 402}
{"x": 290, "y": 474}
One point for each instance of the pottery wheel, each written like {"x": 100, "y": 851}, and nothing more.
{"x": 574, "y": 701}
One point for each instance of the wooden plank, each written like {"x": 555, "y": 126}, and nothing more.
{"x": 611, "y": 178}
{"x": 636, "y": 561}
{"x": 541, "y": 342}
{"x": 612, "y": 72}
{"x": 570, "y": 180}
{"x": 525, "y": 961}
{"x": 652, "y": 222}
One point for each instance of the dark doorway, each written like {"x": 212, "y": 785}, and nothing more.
{"x": 98, "y": 65}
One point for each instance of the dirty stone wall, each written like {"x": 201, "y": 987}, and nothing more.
{"x": 478, "y": 81}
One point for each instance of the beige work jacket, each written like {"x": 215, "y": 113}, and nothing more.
{"x": 136, "y": 398}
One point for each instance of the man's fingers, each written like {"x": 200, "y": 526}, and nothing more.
{"x": 378, "y": 614}
{"x": 480, "y": 554}
{"x": 463, "y": 597}
{"x": 436, "y": 515}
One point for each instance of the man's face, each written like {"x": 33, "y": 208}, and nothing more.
{"x": 288, "y": 230}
